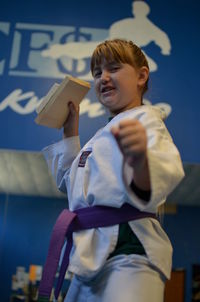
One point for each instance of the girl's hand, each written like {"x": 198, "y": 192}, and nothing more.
{"x": 132, "y": 140}
{"x": 71, "y": 125}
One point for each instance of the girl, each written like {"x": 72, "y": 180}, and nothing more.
{"x": 133, "y": 161}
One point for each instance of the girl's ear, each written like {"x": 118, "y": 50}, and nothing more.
{"x": 143, "y": 75}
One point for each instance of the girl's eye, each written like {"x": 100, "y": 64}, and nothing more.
{"x": 97, "y": 74}
{"x": 114, "y": 68}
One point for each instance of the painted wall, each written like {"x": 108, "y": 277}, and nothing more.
{"x": 183, "y": 231}
{"x": 46, "y": 40}
{"x": 25, "y": 229}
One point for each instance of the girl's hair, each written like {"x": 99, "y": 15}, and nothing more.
{"x": 120, "y": 51}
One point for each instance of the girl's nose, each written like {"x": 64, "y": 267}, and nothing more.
{"x": 105, "y": 76}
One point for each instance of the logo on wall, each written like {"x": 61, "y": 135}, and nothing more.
{"x": 51, "y": 51}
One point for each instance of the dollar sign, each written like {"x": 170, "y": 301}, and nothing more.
{"x": 75, "y": 70}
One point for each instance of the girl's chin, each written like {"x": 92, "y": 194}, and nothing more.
{"x": 108, "y": 105}
{"x": 108, "y": 101}
{"x": 112, "y": 108}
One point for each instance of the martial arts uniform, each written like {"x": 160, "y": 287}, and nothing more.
{"x": 98, "y": 175}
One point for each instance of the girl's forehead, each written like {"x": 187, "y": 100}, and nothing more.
{"x": 106, "y": 63}
{"x": 103, "y": 57}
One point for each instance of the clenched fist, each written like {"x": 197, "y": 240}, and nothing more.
{"x": 132, "y": 140}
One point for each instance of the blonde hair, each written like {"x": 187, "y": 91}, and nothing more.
{"x": 120, "y": 51}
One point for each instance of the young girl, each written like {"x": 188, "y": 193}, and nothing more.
{"x": 132, "y": 160}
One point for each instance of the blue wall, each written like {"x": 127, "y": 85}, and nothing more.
{"x": 183, "y": 231}
{"x": 169, "y": 35}
{"x": 25, "y": 237}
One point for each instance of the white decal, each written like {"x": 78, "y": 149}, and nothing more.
{"x": 64, "y": 55}
{"x": 15, "y": 100}
{"x": 165, "y": 107}
{"x": 139, "y": 29}
{"x": 93, "y": 109}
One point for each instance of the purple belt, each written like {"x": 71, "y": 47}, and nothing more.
{"x": 69, "y": 222}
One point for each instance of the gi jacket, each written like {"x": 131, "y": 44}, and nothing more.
{"x": 98, "y": 175}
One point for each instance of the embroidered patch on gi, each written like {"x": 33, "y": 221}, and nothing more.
{"x": 83, "y": 158}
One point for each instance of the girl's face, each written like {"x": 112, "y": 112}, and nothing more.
{"x": 117, "y": 86}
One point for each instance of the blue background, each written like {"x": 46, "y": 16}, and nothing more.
{"x": 175, "y": 82}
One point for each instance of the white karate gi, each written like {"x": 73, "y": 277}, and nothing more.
{"x": 104, "y": 179}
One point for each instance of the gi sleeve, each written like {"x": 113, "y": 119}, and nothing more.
{"x": 59, "y": 158}
{"x": 165, "y": 166}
